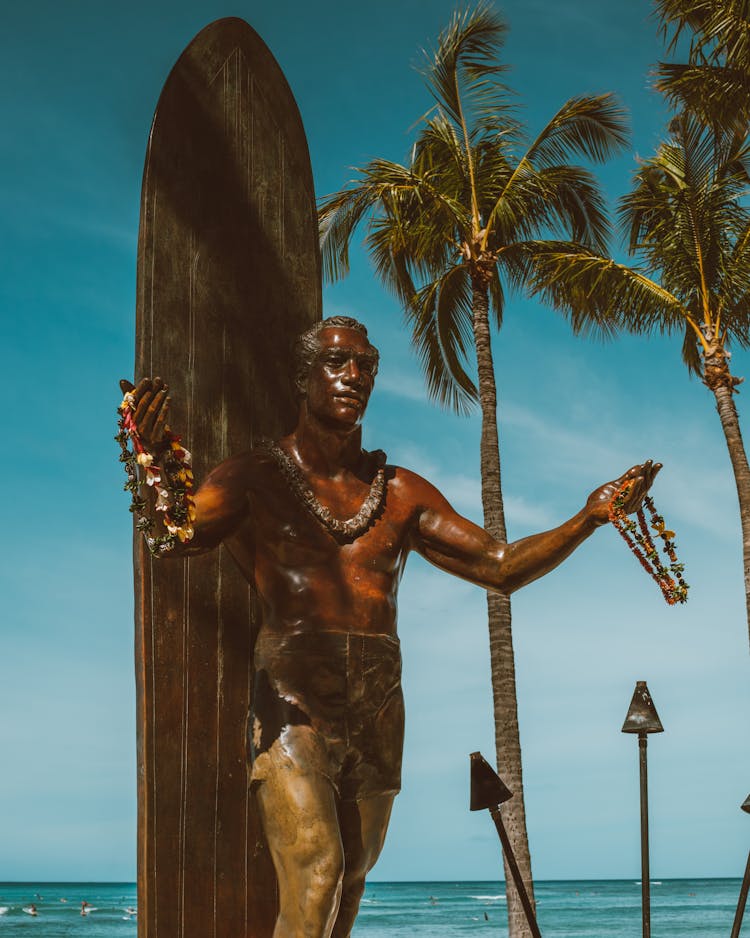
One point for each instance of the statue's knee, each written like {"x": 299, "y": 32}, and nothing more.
{"x": 322, "y": 862}
{"x": 354, "y": 880}
{"x": 327, "y": 873}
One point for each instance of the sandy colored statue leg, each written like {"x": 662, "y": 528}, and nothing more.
{"x": 363, "y": 826}
{"x": 302, "y": 828}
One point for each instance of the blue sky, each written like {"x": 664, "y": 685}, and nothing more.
{"x": 80, "y": 82}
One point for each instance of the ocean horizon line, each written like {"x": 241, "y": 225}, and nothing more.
{"x": 415, "y": 882}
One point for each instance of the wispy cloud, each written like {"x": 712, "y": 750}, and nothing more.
{"x": 402, "y": 384}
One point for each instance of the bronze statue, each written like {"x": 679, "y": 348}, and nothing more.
{"x": 322, "y": 530}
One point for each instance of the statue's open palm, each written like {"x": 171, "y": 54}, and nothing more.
{"x": 641, "y": 476}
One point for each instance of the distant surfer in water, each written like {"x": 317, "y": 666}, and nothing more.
{"x": 326, "y": 728}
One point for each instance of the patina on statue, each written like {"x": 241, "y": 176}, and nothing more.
{"x": 322, "y": 529}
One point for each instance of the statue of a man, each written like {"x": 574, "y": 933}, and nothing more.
{"x": 322, "y": 530}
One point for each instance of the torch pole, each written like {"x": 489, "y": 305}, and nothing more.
{"x": 739, "y": 914}
{"x": 645, "y": 869}
{"x": 643, "y": 719}
{"x": 516, "y": 873}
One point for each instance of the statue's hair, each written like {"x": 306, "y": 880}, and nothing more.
{"x": 307, "y": 346}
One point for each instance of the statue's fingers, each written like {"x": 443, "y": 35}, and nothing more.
{"x": 126, "y": 386}
{"x": 147, "y": 397}
{"x": 143, "y": 386}
{"x": 154, "y": 409}
{"x": 631, "y": 474}
{"x": 142, "y": 404}
{"x": 160, "y": 427}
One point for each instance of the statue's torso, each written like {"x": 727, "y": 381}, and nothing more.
{"x": 308, "y": 579}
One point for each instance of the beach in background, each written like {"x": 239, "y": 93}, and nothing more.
{"x": 582, "y": 908}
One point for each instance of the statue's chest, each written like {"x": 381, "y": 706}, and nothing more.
{"x": 295, "y": 529}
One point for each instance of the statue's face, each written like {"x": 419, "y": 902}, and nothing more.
{"x": 341, "y": 377}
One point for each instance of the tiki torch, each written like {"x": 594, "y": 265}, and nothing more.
{"x": 489, "y": 791}
{"x": 744, "y": 888}
{"x": 643, "y": 719}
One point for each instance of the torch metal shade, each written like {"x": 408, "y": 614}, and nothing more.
{"x": 487, "y": 789}
{"x": 746, "y": 804}
{"x": 642, "y": 716}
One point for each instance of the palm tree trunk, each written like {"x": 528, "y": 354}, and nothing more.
{"x": 502, "y": 663}
{"x": 721, "y": 382}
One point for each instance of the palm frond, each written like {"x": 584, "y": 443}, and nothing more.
{"x": 413, "y": 207}
{"x": 686, "y": 211}
{"x": 718, "y": 28}
{"x": 691, "y": 352}
{"x": 463, "y": 72}
{"x": 497, "y": 297}
{"x": 591, "y": 126}
{"x": 439, "y": 316}
{"x": 557, "y": 199}
{"x": 718, "y": 95}
{"x": 597, "y": 294}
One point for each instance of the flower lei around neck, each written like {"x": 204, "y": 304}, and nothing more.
{"x": 172, "y": 481}
{"x": 638, "y": 538}
{"x": 351, "y": 528}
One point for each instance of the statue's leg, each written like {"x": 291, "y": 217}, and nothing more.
{"x": 363, "y": 826}
{"x": 302, "y": 828}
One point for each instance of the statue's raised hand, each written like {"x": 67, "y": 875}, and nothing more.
{"x": 641, "y": 476}
{"x": 151, "y": 403}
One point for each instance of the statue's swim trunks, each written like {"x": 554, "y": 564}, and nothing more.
{"x": 329, "y": 703}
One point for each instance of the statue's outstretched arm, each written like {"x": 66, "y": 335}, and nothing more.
{"x": 461, "y": 547}
{"x": 175, "y": 518}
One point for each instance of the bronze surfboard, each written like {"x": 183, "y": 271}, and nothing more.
{"x": 228, "y": 274}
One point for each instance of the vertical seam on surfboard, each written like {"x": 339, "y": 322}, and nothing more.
{"x": 152, "y": 622}
{"x": 280, "y": 209}
{"x": 219, "y": 611}
{"x": 152, "y": 760}
{"x": 248, "y": 793}
{"x": 250, "y": 175}
{"x": 219, "y": 685}
{"x": 186, "y": 606}
{"x": 250, "y": 662}
{"x": 183, "y": 747}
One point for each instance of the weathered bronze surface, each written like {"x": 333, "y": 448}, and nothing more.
{"x": 228, "y": 272}
{"x": 489, "y": 791}
{"x": 642, "y": 716}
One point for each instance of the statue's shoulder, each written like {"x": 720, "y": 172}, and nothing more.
{"x": 263, "y": 462}
{"x": 411, "y": 486}
{"x": 233, "y": 471}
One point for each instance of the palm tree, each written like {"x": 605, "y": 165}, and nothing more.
{"x": 715, "y": 82}
{"x": 687, "y": 225}
{"x": 446, "y": 234}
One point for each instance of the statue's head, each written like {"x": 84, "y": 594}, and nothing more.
{"x": 307, "y": 347}
{"x": 334, "y": 360}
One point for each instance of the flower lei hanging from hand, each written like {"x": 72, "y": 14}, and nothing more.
{"x": 639, "y": 540}
{"x": 171, "y": 479}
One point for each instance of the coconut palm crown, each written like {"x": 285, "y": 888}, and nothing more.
{"x": 451, "y": 232}
{"x": 443, "y": 228}
{"x": 687, "y": 225}
{"x": 715, "y": 81}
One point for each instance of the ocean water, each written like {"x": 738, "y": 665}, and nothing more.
{"x": 587, "y": 909}
{"x": 680, "y": 908}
